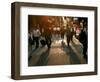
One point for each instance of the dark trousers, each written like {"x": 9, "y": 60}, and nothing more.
{"x": 85, "y": 51}
{"x": 62, "y": 36}
{"x": 36, "y": 40}
{"x": 71, "y": 37}
{"x": 48, "y": 40}
{"x": 68, "y": 39}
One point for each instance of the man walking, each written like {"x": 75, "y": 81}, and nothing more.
{"x": 36, "y": 35}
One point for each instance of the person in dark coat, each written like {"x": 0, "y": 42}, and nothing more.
{"x": 68, "y": 35}
{"x": 48, "y": 37}
{"x": 72, "y": 33}
{"x": 42, "y": 39}
{"x": 83, "y": 40}
{"x": 62, "y": 33}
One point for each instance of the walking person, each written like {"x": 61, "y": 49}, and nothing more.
{"x": 30, "y": 41}
{"x": 83, "y": 40}
{"x": 36, "y": 35}
{"x": 72, "y": 33}
{"x": 68, "y": 35}
{"x": 42, "y": 39}
{"x": 62, "y": 33}
{"x": 48, "y": 37}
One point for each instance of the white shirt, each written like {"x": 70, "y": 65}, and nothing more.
{"x": 36, "y": 33}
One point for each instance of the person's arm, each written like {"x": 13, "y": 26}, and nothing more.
{"x": 31, "y": 36}
{"x": 39, "y": 33}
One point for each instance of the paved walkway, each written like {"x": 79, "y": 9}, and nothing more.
{"x": 58, "y": 54}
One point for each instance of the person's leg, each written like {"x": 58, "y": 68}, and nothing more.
{"x": 71, "y": 37}
{"x": 34, "y": 41}
{"x": 85, "y": 51}
{"x": 61, "y": 36}
{"x": 37, "y": 42}
{"x": 68, "y": 40}
{"x": 49, "y": 42}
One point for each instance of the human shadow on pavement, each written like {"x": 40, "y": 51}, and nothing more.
{"x": 72, "y": 55}
{"x": 43, "y": 59}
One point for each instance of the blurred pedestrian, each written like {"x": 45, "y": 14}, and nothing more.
{"x": 62, "y": 33}
{"x": 72, "y": 33}
{"x": 48, "y": 37}
{"x": 30, "y": 41}
{"x": 36, "y": 35}
{"x": 83, "y": 40}
{"x": 68, "y": 35}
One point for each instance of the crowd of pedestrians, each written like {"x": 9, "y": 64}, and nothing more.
{"x": 44, "y": 38}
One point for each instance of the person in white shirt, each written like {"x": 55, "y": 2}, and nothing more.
{"x": 36, "y": 35}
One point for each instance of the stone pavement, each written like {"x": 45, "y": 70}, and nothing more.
{"x": 58, "y": 54}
